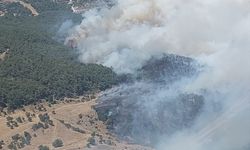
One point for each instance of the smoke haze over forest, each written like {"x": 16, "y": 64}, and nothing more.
{"x": 214, "y": 33}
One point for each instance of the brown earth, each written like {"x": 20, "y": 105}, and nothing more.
{"x": 77, "y": 113}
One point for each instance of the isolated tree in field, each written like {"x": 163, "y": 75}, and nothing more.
{"x": 57, "y": 143}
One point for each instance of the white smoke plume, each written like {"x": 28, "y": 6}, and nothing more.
{"x": 134, "y": 30}
{"x": 214, "y": 32}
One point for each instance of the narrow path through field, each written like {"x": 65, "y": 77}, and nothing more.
{"x": 30, "y": 7}
{"x": 24, "y": 4}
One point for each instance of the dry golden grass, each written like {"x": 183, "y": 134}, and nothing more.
{"x": 69, "y": 112}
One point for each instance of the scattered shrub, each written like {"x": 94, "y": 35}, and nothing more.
{"x": 9, "y": 118}
{"x": 51, "y": 122}
{"x": 57, "y": 143}
{"x": 27, "y": 137}
{"x": 78, "y": 130}
{"x": 92, "y": 141}
{"x": 44, "y": 118}
{"x": 12, "y": 146}
{"x": 19, "y": 120}
{"x": 108, "y": 142}
{"x": 42, "y": 147}
{"x": 1, "y": 144}
{"x": 16, "y": 137}
{"x": 93, "y": 134}
{"x": 37, "y": 126}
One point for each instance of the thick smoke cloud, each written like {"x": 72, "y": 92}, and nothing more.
{"x": 134, "y": 30}
{"x": 214, "y": 32}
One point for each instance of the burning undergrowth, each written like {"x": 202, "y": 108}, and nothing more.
{"x": 153, "y": 105}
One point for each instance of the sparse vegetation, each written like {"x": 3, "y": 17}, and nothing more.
{"x": 80, "y": 116}
{"x": 16, "y": 137}
{"x": 19, "y": 120}
{"x": 10, "y": 122}
{"x": 29, "y": 116}
{"x": 78, "y": 130}
{"x": 28, "y": 137}
{"x": 92, "y": 141}
{"x": 37, "y": 126}
{"x": 9, "y": 118}
{"x": 93, "y": 134}
{"x": 42, "y": 147}
{"x": 12, "y": 146}
{"x": 1, "y": 144}
{"x": 108, "y": 142}
{"x": 41, "y": 108}
{"x": 57, "y": 143}
{"x": 69, "y": 126}
{"x": 44, "y": 118}
{"x": 19, "y": 141}
{"x": 51, "y": 122}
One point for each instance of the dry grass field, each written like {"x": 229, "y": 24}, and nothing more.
{"x": 74, "y": 122}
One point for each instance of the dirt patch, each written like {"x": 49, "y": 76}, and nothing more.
{"x": 25, "y": 5}
{"x": 3, "y": 55}
{"x": 29, "y": 7}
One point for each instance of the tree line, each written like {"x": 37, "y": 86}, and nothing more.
{"x": 39, "y": 67}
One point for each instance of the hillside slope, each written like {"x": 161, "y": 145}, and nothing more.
{"x": 38, "y": 66}
{"x": 73, "y": 121}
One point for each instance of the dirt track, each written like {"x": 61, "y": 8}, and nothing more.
{"x": 24, "y": 4}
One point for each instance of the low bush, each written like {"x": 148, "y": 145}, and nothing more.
{"x": 57, "y": 143}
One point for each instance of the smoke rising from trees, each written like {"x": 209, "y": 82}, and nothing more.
{"x": 215, "y": 33}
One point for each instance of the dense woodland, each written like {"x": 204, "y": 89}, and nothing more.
{"x": 37, "y": 66}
